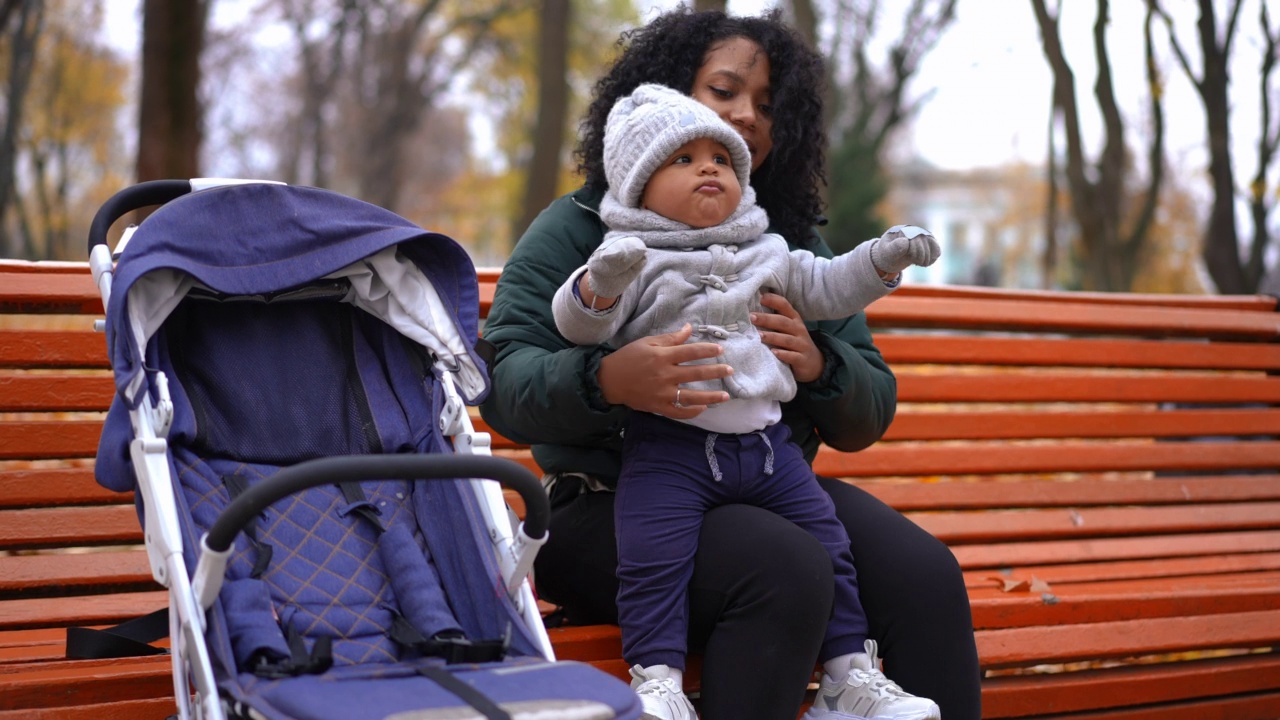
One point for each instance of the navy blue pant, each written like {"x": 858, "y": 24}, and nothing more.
{"x": 666, "y": 486}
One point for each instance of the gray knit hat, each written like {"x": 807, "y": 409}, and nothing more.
{"x": 645, "y": 127}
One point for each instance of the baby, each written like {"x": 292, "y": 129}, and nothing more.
{"x": 688, "y": 245}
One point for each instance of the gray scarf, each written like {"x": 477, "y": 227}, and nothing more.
{"x": 747, "y": 222}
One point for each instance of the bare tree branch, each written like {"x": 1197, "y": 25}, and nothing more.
{"x": 1268, "y": 138}
{"x": 1099, "y": 191}
{"x": 1174, "y": 42}
{"x": 1155, "y": 150}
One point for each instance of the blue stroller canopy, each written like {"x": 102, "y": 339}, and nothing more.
{"x": 215, "y": 238}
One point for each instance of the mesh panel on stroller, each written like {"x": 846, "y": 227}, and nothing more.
{"x": 291, "y": 369}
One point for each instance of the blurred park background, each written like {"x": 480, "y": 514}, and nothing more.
{"x": 1112, "y": 146}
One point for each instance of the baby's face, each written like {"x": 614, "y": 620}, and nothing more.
{"x": 696, "y": 185}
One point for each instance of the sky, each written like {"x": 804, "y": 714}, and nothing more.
{"x": 990, "y": 83}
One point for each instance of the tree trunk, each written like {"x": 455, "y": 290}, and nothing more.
{"x": 1221, "y": 243}
{"x": 22, "y": 42}
{"x": 1260, "y": 200}
{"x": 805, "y": 19}
{"x": 170, "y": 113}
{"x": 701, "y": 5}
{"x": 867, "y": 88}
{"x": 1098, "y": 190}
{"x": 1049, "y": 258}
{"x": 553, "y": 107}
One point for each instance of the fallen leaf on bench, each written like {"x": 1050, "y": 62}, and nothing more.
{"x": 1035, "y": 584}
{"x": 1011, "y": 585}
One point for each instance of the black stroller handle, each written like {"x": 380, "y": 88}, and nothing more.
{"x": 327, "y": 471}
{"x": 134, "y": 197}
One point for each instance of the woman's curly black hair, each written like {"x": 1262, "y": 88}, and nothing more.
{"x": 672, "y": 47}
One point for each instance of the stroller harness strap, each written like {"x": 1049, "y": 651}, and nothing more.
{"x": 465, "y": 692}
{"x": 450, "y": 645}
{"x": 359, "y": 504}
{"x": 300, "y": 660}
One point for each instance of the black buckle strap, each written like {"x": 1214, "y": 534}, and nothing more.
{"x": 465, "y": 692}
{"x": 451, "y": 646}
{"x": 300, "y": 662}
{"x": 359, "y": 504}
{"x": 128, "y": 639}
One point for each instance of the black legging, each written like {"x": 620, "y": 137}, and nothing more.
{"x": 761, "y": 594}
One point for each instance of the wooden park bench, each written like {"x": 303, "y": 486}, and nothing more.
{"x": 1106, "y": 468}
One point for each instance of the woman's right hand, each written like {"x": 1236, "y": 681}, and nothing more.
{"x": 645, "y": 375}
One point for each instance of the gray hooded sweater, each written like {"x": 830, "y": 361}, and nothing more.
{"x": 712, "y": 278}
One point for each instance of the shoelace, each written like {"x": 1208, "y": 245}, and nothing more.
{"x": 657, "y": 687}
{"x": 880, "y": 684}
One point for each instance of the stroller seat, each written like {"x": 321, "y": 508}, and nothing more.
{"x": 292, "y": 368}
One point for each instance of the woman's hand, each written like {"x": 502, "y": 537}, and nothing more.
{"x": 784, "y": 332}
{"x": 646, "y": 374}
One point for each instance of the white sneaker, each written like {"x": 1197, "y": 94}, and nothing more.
{"x": 868, "y": 695}
{"x": 660, "y": 696}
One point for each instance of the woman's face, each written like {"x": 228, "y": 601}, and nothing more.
{"x": 734, "y": 82}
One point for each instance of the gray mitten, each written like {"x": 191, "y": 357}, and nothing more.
{"x": 902, "y": 246}
{"x": 614, "y": 265}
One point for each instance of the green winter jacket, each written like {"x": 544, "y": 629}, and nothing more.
{"x": 544, "y": 388}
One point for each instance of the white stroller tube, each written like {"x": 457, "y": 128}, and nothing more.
{"x": 210, "y": 569}
{"x": 526, "y": 549}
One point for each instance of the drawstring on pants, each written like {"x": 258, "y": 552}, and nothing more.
{"x": 710, "y": 448}
{"x": 768, "y": 458}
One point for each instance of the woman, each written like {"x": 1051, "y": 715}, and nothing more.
{"x": 761, "y": 590}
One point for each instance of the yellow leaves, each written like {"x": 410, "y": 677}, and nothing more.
{"x": 475, "y": 210}
{"x": 69, "y": 141}
{"x": 75, "y": 93}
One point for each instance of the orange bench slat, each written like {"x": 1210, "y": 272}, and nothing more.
{"x": 912, "y": 424}
{"x": 26, "y": 392}
{"x": 965, "y": 527}
{"x": 1078, "y": 492}
{"x": 1036, "y": 351}
{"x": 99, "y": 609}
{"x": 69, "y": 526}
{"x": 1133, "y": 637}
{"x": 78, "y": 572}
{"x": 1118, "y": 601}
{"x": 1135, "y": 685}
{"x": 1068, "y": 386}
{"x": 85, "y": 682}
{"x": 48, "y": 439}
{"x": 1070, "y": 317}
{"x": 55, "y": 486}
{"x": 1084, "y": 572}
{"x": 917, "y": 459}
{"x": 159, "y": 708}
{"x": 52, "y": 349}
{"x": 1026, "y": 554}
{"x": 71, "y": 293}
{"x": 1243, "y": 303}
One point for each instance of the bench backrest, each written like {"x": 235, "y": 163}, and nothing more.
{"x": 1055, "y": 441}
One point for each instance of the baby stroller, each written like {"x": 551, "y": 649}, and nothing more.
{"x": 292, "y": 368}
